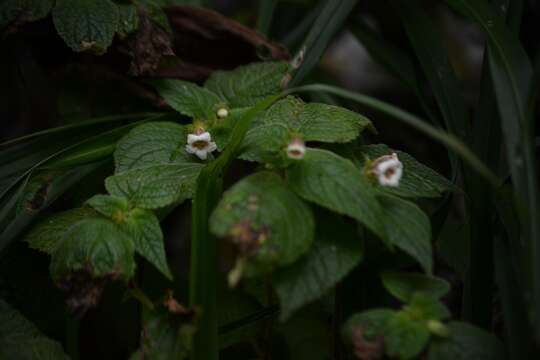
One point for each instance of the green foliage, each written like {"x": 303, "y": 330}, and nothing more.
{"x": 408, "y": 228}
{"x": 270, "y": 226}
{"x": 417, "y": 181}
{"x": 247, "y": 85}
{"x": 336, "y": 251}
{"x": 86, "y": 25}
{"x": 405, "y": 285}
{"x": 466, "y": 342}
{"x": 24, "y": 10}
{"x": 336, "y": 184}
{"x": 21, "y": 340}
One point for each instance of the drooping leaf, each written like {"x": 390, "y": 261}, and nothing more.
{"x": 466, "y": 342}
{"x": 86, "y": 25}
{"x": 94, "y": 245}
{"x": 143, "y": 227}
{"x": 404, "y": 285}
{"x": 336, "y": 251}
{"x": 336, "y": 184}
{"x": 248, "y": 84}
{"x": 408, "y": 228}
{"x": 266, "y": 221}
{"x": 417, "y": 180}
{"x": 155, "y": 186}
{"x": 21, "y": 340}
{"x": 188, "y": 98}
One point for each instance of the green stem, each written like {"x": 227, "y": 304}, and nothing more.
{"x": 203, "y": 272}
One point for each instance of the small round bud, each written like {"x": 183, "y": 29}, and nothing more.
{"x": 222, "y": 113}
{"x": 438, "y": 328}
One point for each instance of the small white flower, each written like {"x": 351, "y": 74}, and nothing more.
{"x": 296, "y": 149}
{"x": 388, "y": 170}
{"x": 222, "y": 113}
{"x": 200, "y": 144}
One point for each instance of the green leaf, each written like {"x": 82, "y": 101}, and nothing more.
{"x": 21, "y": 340}
{"x": 24, "y": 10}
{"x": 248, "y": 84}
{"x": 466, "y": 342}
{"x": 151, "y": 144}
{"x": 188, "y": 98}
{"x": 161, "y": 330}
{"x": 86, "y": 25}
{"x": 128, "y": 19}
{"x": 143, "y": 227}
{"x": 336, "y": 251}
{"x": 408, "y": 228}
{"x": 405, "y": 338}
{"x": 417, "y": 180}
{"x": 291, "y": 117}
{"x": 424, "y": 307}
{"x": 152, "y": 167}
{"x": 269, "y": 224}
{"x": 372, "y": 322}
{"x": 404, "y": 285}
{"x": 155, "y": 186}
{"x": 95, "y": 245}
{"x": 113, "y": 207}
{"x": 46, "y": 235}
{"x": 336, "y": 184}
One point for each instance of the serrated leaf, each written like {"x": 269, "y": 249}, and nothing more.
{"x": 46, "y": 235}
{"x": 408, "y": 228}
{"x": 151, "y": 144}
{"x": 404, "y": 337}
{"x": 86, "y": 25}
{"x": 249, "y": 84}
{"x": 466, "y": 342}
{"x": 291, "y": 117}
{"x": 336, "y": 184}
{"x": 155, "y": 186}
{"x": 221, "y": 129}
{"x": 143, "y": 227}
{"x": 417, "y": 181}
{"x": 24, "y": 10}
{"x": 152, "y": 167}
{"x": 270, "y": 225}
{"x": 128, "y": 19}
{"x": 188, "y": 98}
{"x": 336, "y": 251}
{"x": 21, "y": 340}
{"x": 404, "y": 285}
{"x": 95, "y": 245}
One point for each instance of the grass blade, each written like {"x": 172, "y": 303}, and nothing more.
{"x": 266, "y": 13}
{"x": 331, "y": 19}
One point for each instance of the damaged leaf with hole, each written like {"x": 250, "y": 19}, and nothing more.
{"x": 267, "y": 223}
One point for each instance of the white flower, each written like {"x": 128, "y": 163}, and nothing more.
{"x": 388, "y": 170}
{"x": 296, "y": 149}
{"x": 200, "y": 144}
{"x": 222, "y": 113}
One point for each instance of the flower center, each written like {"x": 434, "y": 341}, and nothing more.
{"x": 200, "y": 144}
{"x": 389, "y": 172}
